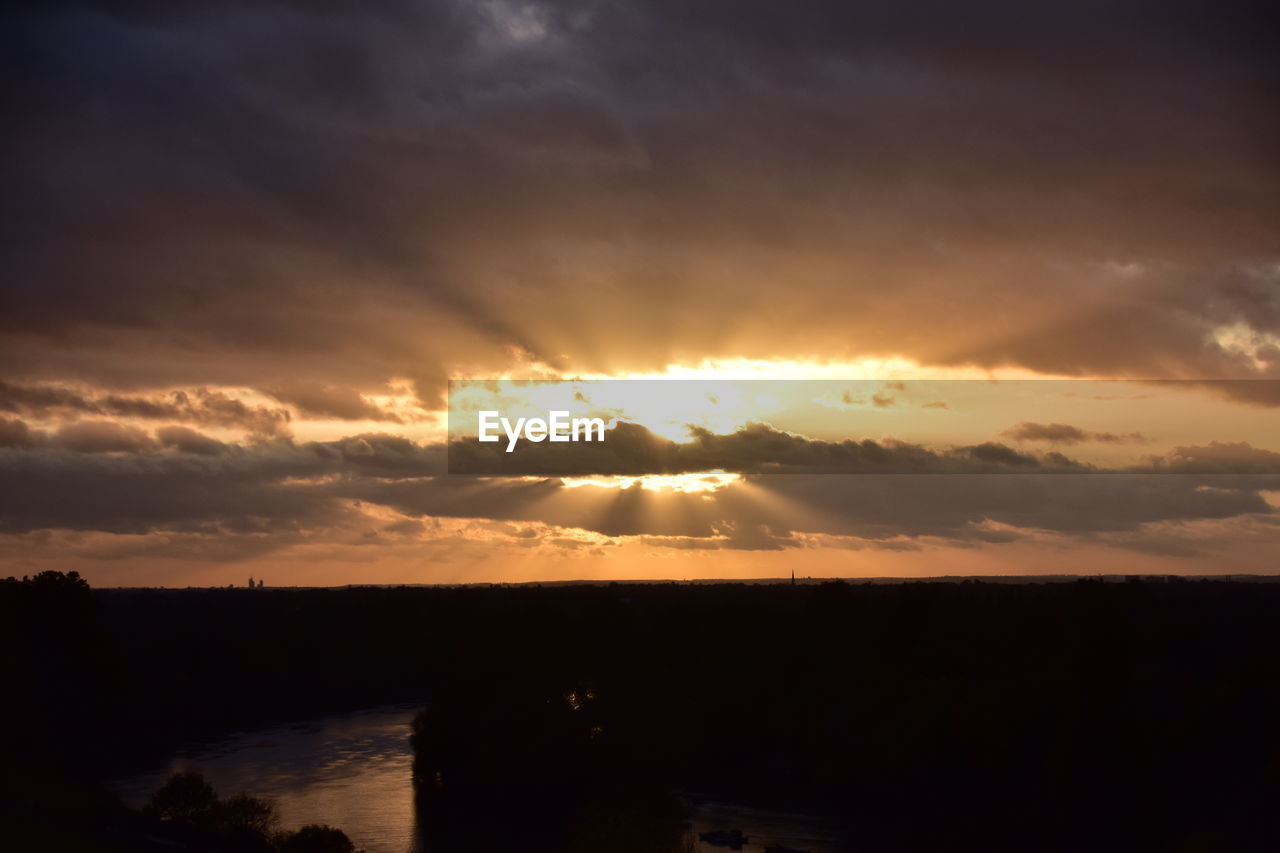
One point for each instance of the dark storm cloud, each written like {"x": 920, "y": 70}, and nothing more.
{"x": 14, "y": 433}
{"x": 1066, "y": 434}
{"x": 188, "y": 440}
{"x": 273, "y": 193}
{"x": 1234, "y": 457}
{"x": 200, "y": 405}
{"x": 78, "y": 482}
{"x": 631, "y": 449}
{"x": 102, "y": 437}
{"x": 328, "y": 402}
{"x": 85, "y": 477}
{"x": 1073, "y": 504}
{"x": 873, "y": 507}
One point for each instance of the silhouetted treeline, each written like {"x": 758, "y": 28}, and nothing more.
{"x": 187, "y": 814}
{"x": 1068, "y": 716}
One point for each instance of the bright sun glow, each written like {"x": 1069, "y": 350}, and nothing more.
{"x": 867, "y": 368}
{"x": 721, "y": 396}
{"x": 890, "y": 368}
{"x": 707, "y": 481}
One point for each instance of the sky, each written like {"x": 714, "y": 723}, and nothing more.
{"x": 249, "y": 244}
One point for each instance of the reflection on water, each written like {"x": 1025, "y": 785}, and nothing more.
{"x": 762, "y": 828}
{"x": 351, "y": 771}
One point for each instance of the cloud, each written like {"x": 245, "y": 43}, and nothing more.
{"x": 307, "y": 202}
{"x": 14, "y": 433}
{"x": 329, "y": 402}
{"x": 188, "y": 440}
{"x": 407, "y": 189}
{"x": 1219, "y": 457}
{"x": 1263, "y": 393}
{"x": 282, "y": 488}
{"x": 631, "y": 449}
{"x": 942, "y": 509}
{"x": 87, "y": 480}
{"x": 1067, "y": 434}
{"x": 199, "y": 405}
{"x": 102, "y": 437}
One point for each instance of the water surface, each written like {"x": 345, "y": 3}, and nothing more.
{"x": 353, "y": 771}
{"x": 763, "y": 827}
{"x": 348, "y": 770}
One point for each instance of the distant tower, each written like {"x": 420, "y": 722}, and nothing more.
{"x": 793, "y": 577}
{"x": 250, "y": 581}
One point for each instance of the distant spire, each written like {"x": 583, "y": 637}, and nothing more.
{"x": 793, "y": 577}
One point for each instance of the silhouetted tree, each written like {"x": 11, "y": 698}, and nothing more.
{"x": 315, "y": 838}
{"x": 59, "y": 580}
{"x": 184, "y": 798}
{"x": 244, "y": 815}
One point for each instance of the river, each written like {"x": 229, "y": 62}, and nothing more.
{"x": 352, "y": 771}
{"x": 348, "y": 770}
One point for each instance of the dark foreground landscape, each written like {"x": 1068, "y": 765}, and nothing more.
{"x": 1135, "y": 714}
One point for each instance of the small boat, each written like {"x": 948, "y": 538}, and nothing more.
{"x": 731, "y": 838}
